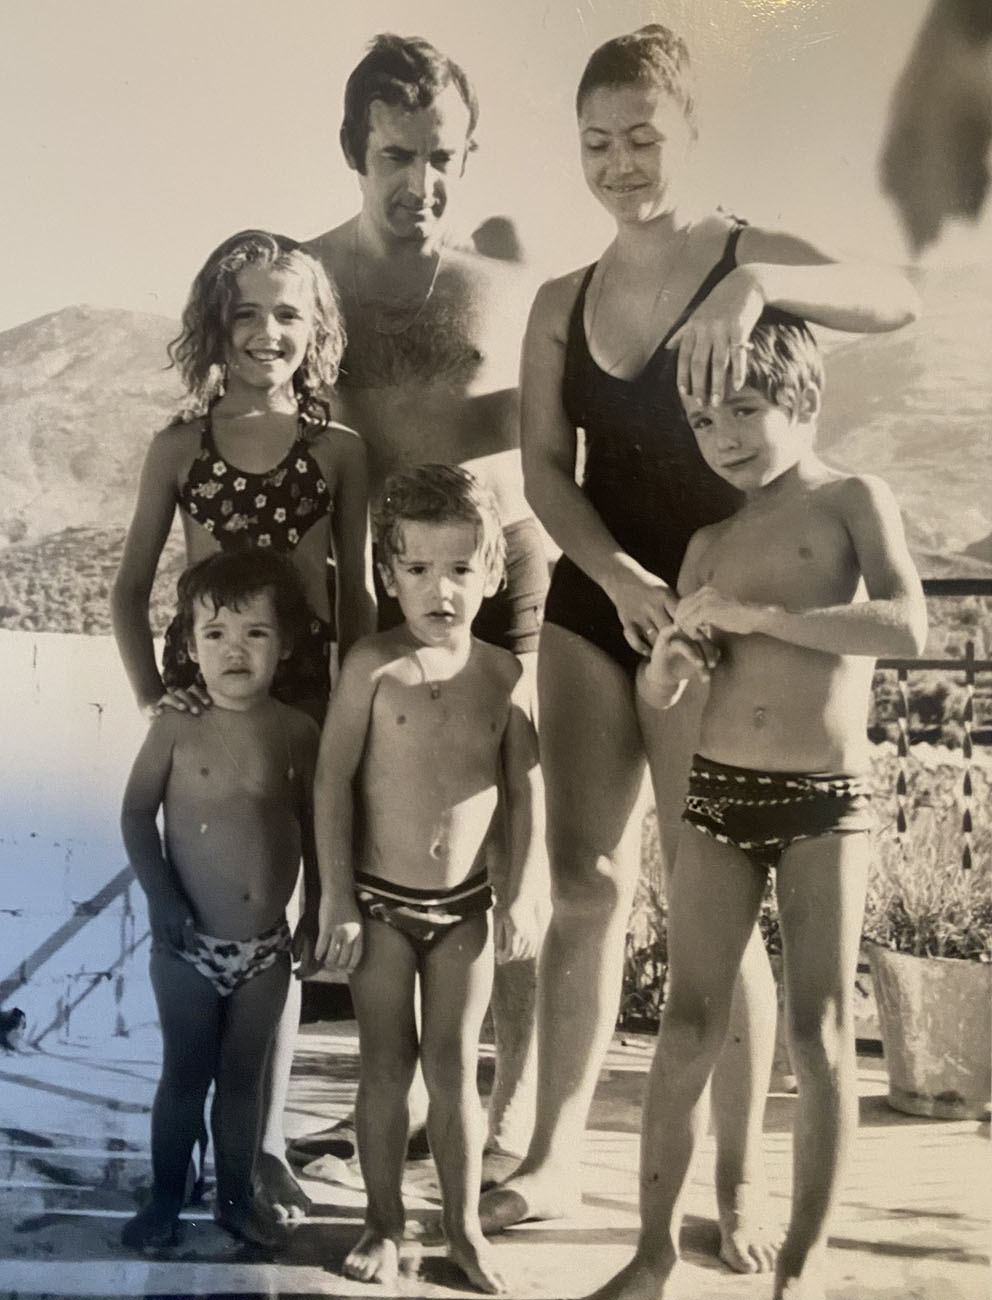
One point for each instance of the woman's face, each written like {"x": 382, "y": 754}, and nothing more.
{"x": 635, "y": 146}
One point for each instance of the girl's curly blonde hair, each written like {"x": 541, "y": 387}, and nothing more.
{"x": 199, "y": 350}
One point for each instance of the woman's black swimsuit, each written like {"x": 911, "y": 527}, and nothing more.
{"x": 643, "y": 472}
{"x": 242, "y": 510}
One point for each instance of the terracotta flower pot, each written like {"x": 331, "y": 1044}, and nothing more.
{"x": 935, "y": 1015}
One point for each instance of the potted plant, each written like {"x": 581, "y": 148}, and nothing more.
{"x": 928, "y": 921}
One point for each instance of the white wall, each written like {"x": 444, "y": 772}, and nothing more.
{"x": 73, "y": 926}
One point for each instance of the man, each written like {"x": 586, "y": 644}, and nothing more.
{"x": 430, "y": 375}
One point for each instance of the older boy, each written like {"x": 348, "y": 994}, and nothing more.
{"x": 427, "y": 728}
{"x": 783, "y": 607}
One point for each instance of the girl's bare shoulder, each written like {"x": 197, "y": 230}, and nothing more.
{"x": 179, "y": 441}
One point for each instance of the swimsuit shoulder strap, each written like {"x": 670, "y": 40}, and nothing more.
{"x": 721, "y": 268}
{"x": 576, "y": 323}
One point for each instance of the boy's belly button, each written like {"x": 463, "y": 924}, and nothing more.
{"x": 758, "y": 715}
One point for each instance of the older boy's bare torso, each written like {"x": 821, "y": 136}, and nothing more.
{"x": 773, "y": 705}
{"x": 232, "y": 816}
{"x": 436, "y": 382}
{"x": 429, "y": 778}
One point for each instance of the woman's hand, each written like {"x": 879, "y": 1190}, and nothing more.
{"x": 713, "y": 341}
{"x": 645, "y": 605}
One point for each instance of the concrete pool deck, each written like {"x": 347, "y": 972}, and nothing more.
{"x": 913, "y": 1222}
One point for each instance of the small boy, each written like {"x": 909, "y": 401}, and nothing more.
{"x": 235, "y": 785}
{"x": 428, "y": 732}
{"x": 783, "y": 607}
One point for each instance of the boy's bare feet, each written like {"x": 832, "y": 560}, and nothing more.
{"x": 474, "y": 1258}
{"x": 525, "y": 1197}
{"x": 374, "y": 1258}
{"x": 275, "y": 1184}
{"x": 747, "y": 1244}
{"x": 640, "y": 1280}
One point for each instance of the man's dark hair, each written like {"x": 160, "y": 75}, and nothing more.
{"x": 403, "y": 71}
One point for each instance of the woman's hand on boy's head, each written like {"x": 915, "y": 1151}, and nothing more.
{"x": 712, "y": 344}
{"x": 191, "y": 699}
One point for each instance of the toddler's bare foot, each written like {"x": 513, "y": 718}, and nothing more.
{"x": 374, "y": 1258}
{"x": 747, "y": 1245}
{"x": 253, "y": 1222}
{"x": 525, "y": 1197}
{"x": 275, "y": 1185}
{"x": 474, "y": 1258}
{"x": 156, "y": 1226}
{"x": 640, "y": 1280}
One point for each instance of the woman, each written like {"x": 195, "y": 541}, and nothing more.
{"x": 669, "y": 305}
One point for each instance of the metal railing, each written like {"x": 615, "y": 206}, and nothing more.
{"x": 969, "y": 666}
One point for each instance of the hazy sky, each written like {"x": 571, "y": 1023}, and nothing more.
{"x": 136, "y": 134}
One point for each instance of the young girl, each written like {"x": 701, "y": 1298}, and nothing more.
{"x": 254, "y": 460}
{"x": 234, "y": 786}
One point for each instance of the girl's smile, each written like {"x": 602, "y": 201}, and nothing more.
{"x": 270, "y": 328}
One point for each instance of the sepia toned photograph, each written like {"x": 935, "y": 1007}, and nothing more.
{"x": 496, "y": 621}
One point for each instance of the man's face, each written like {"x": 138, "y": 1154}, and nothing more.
{"x": 414, "y": 159}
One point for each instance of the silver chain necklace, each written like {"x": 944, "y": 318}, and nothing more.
{"x": 290, "y": 770}
{"x": 662, "y": 292}
{"x": 373, "y": 308}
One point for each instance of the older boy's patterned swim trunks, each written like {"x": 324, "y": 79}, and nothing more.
{"x": 762, "y": 813}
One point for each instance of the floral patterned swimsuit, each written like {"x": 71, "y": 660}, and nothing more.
{"x": 244, "y": 510}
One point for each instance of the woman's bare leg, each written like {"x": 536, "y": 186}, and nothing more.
{"x": 591, "y": 755}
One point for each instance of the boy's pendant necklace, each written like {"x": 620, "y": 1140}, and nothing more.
{"x": 290, "y": 770}
{"x": 433, "y": 686}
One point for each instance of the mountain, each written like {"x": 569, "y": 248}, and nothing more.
{"x": 81, "y": 392}
{"x": 916, "y": 407}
